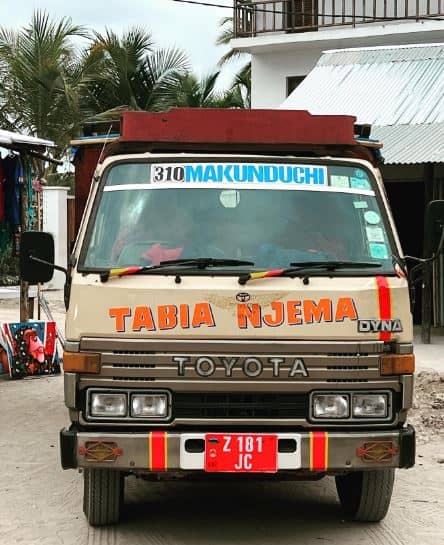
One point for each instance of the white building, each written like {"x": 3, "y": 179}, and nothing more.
{"x": 286, "y": 37}
{"x": 399, "y": 91}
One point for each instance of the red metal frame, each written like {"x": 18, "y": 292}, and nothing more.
{"x": 237, "y": 127}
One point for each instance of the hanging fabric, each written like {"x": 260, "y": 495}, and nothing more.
{"x": 13, "y": 172}
{"x": 30, "y": 205}
{"x": 2, "y": 191}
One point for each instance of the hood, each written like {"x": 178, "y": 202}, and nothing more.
{"x": 154, "y": 306}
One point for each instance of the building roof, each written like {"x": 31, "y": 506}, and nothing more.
{"x": 9, "y": 138}
{"x": 399, "y": 90}
{"x": 410, "y": 144}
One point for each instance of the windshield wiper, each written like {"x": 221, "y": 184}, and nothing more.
{"x": 200, "y": 263}
{"x": 332, "y": 265}
{"x": 303, "y": 267}
{"x": 204, "y": 262}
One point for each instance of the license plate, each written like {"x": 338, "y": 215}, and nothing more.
{"x": 240, "y": 453}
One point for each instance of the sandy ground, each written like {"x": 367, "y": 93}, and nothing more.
{"x": 41, "y": 504}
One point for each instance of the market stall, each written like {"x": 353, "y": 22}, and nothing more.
{"x": 27, "y": 347}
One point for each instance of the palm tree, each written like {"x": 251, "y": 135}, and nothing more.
{"x": 41, "y": 77}
{"x": 242, "y": 85}
{"x": 226, "y": 34}
{"x": 242, "y": 80}
{"x": 195, "y": 93}
{"x": 130, "y": 75}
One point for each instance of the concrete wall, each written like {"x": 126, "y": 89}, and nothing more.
{"x": 269, "y": 73}
{"x": 55, "y": 222}
{"x": 277, "y": 56}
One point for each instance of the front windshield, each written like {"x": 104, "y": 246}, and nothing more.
{"x": 272, "y": 215}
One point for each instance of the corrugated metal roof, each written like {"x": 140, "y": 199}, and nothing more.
{"x": 380, "y": 86}
{"x": 10, "y": 138}
{"x": 398, "y": 89}
{"x": 410, "y": 144}
{"x": 382, "y": 54}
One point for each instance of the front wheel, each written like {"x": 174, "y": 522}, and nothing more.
{"x": 102, "y": 496}
{"x": 365, "y": 495}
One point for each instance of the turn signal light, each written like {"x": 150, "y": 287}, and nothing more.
{"x": 81, "y": 362}
{"x": 397, "y": 364}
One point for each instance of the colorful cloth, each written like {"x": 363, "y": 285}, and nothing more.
{"x": 156, "y": 254}
{"x": 2, "y": 191}
{"x": 13, "y": 171}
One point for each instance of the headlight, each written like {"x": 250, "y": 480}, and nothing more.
{"x": 104, "y": 404}
{"x": 149, "y": 405}
{"x": 369, "y": 405}
{"x": 330, "y": 406}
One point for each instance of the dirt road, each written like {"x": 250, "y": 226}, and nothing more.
{"x": 41, "y": 504}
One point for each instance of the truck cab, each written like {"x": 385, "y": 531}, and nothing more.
{"x": 238, "y": 304}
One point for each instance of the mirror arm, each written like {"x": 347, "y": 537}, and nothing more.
{"x": 56, "y": 267}
{"x": 434, "y": 256}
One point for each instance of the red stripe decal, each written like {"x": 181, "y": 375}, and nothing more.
{"x": 158, "y": 451}
{"x": 319, "y": 451}
{"x": 385, "y": 305}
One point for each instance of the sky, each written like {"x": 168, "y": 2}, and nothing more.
{"x": 191, "y": 28}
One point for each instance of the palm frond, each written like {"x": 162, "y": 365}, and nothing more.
{"x": 224, "y": 38}
{"x": 39, "y": 92}
{"x": 226, "y": 33}
{"x": 159, "y": 77}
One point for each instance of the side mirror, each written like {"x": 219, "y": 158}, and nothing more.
{"x": 434, "y": 228}
{"x": 36, "y": 257}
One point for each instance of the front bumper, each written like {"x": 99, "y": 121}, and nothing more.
{"x": 321, "y": 452}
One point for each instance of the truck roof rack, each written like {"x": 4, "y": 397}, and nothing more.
{"x": 216, "y": 130}
{"x": 234, "y": 127}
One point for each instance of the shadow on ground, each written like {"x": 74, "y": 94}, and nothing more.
{"x": 231, "y": 512}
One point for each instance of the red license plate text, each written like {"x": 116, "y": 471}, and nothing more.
{"x": 242, "y": 453}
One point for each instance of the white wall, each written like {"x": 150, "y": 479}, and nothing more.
{"x": 269, "y": 72}
{"x": 276, "y": 56}
{"x": 55, "y": 222}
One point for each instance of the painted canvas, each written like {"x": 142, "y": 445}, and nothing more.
{"x": 4, "y": 362}
{"x": 31, "y": 348}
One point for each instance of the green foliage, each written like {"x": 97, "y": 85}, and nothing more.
{"x": 50, "y": 88}
{"x": 9, "y": 267}
{"x": 62, "y": 179}
{"x": 194, "y": 93}
{"x": 226, "y": 34}
{"x": 242, "y": 81}
{"x": 242, "y": 85}
{"x": 130, "y": 75}
{"x": 41, "y": 77}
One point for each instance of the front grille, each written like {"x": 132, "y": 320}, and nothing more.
{"x": 239, "y": 405}
{"x": 133, "y": 366}
{"x": 346, "y": 380}
{"x": 134, "y": 379}
{"x": 346, "y": 367}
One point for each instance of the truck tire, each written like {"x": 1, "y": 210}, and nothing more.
{"x": 102, "y": 496}
{"x": 365, "y": 495}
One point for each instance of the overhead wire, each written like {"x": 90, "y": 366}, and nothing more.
{"x": 253, "y": 8}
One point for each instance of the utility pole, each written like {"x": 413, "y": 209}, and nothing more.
{"x": 427, "y": 280}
